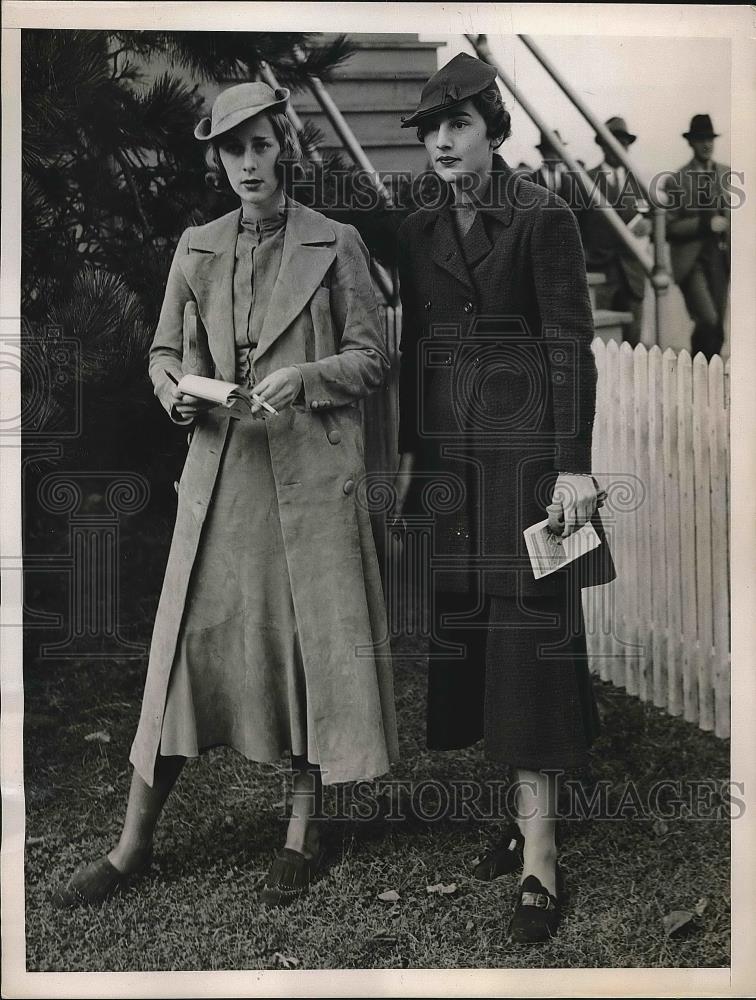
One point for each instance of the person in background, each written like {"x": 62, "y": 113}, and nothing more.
{"x": 698, "y": 230}
{"x": 552, "y": 174}
{"x": 625, "y": 285}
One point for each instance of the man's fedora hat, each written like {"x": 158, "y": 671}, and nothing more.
{"x": 700, "y": 128}
{"x": 545, "y": 144}
{"x": 460, "y": 79}
{"x": 238, "y": 103}
{"x": 618, "y": 127}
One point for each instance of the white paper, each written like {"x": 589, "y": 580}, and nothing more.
{"x": 549, "y": 552}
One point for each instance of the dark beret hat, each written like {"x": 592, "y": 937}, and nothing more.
{"x": 461, "y": 78}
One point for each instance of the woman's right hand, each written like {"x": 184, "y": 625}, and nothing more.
{"x": 188, "y": 406}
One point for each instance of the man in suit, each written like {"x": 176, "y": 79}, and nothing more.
{"x": 625, "y": 285}
{"x": 552, "y": 174}
{"x": 698, "y": 229}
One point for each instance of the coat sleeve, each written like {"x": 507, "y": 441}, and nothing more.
{"x": 362, "y": 363}
{"x": 168, "y": 343}
{"x": 408, "y": 371}
{"x": 564, "y": 305}
{"x": 685, "y": 220}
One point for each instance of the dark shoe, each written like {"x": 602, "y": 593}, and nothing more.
{"x": 289, "y": 876}
{"x": 92, "y": 884}
{"x": 536, "y": 914}
{"x": 502, "y": 860}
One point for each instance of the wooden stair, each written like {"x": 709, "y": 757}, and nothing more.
{"x": 378, "y": 84}
{"x": 607, "y": 323}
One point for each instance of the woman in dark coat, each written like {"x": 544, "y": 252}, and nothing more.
{"x": 271, "y": 614}
{"x": 497, "y": 395}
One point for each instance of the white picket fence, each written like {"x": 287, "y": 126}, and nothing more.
{"x": 661, "y": 630}
{"x": 661, "y": 449}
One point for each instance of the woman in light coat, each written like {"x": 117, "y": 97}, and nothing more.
{"x": 270, "y": 633}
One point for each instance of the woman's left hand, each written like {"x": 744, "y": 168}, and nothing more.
{"x": 577, "y": 495}
{"x": 278, "y": 389}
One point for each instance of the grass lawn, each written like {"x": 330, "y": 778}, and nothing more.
{"x": 226, "y": 818}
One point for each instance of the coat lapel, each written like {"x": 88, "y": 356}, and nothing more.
{"x": 476, "y": 242}
{"x": 209, "y": 271}
{"x": 445, "y": 250}
{"x": 308, "y": 252}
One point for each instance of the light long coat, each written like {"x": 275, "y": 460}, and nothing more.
{"x": 322, "y": 318}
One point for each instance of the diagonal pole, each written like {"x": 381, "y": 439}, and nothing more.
{"x": 597, "y": 200}
{"x": 660, "y": 279}
{"x": 382, "y": 278}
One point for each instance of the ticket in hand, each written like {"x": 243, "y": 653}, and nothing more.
{"x": 549, "y": 552}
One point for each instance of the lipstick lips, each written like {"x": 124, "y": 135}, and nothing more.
{"x": 252, "y": 183}
{"x": 447, "y": 160}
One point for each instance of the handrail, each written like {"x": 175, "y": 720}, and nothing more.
{"x": 654, "y": 267}
{"x": 383, "y": 279}
{"x": 345, "y": 134}
{"x": 269, "y": 76}
{"x": 660, "y": 279}
{"x": 597, "y": 200}
{"x": 657, "y": 199}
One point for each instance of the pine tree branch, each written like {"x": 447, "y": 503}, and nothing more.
{"x": 129, "y": 178}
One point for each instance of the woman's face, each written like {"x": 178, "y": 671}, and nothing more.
{"x": 249, "y": 154}
{"x": 458, "y": 147}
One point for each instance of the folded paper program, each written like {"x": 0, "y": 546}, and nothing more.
{"x": 548, "y": 552}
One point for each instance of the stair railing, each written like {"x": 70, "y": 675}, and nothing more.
{"x": 660, "y": 279}
{"x": 653, "y": 266}
{"x": 386, "y": 282}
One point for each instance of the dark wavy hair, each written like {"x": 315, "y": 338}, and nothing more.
{"x": 288, "y": 140}
{"x": 489, "y": 104}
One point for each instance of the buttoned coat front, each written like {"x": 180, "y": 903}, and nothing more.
{"x": 323, "y": 319}
{"x": 497, "y": 380}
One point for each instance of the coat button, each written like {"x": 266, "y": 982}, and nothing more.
{"x": 176, "y": 485}
{"x": 468, "y": 307}
{"x": 348, "y": 486}
{"x": 189, "y": 437}
{"x": 334, "y": 437}
{"x": 428, "y": 305}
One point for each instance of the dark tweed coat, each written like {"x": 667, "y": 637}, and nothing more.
{"x": 497, "y": 382}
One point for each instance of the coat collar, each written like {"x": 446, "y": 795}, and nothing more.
{"x": 694, "y": 167}
{"x": 308, "y": 251}
{"x": 496, "y": 204}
